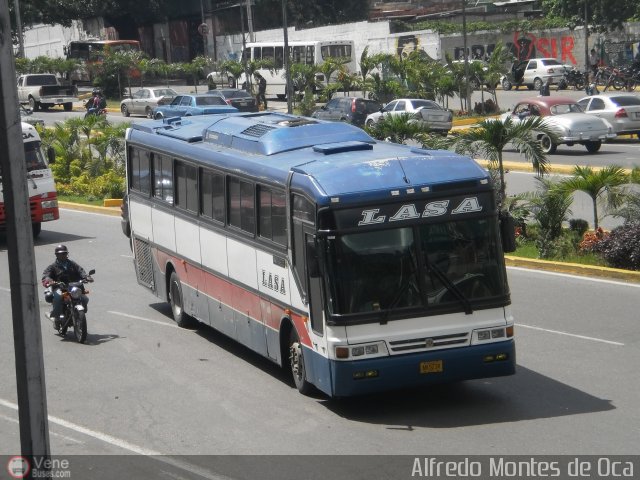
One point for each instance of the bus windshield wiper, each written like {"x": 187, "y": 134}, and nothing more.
{"x": 449, "y": 285}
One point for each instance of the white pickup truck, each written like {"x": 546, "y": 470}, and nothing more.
{"x": 43, "y": 90}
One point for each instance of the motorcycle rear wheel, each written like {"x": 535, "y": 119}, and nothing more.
{"x": 80, "y": 326}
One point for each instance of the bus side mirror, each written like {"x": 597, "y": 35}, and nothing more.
{"x": 507, "y": 232}
{"x": 51, "y": 155}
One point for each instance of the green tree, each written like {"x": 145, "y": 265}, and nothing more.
{"x": 602, "y": 186}
{"x": 490, "y": 137}
{"x": 603, "y": 14}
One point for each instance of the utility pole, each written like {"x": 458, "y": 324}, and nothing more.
{"x": 16, "y": 8}
{"x": 587, "y": 67}
{"x": 27, "y": 338}
{"x": 467, "y": 96}
{"x": 287, "y": 59}
{"x": 252, "y": 37}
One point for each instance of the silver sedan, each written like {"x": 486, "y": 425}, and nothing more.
{"x": 426, "y": 112}
{"x": 145, "y": 100}
{"x": 622, "y": 110}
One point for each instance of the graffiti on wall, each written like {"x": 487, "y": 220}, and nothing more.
{"x": 563, "y": 46}
{"x": 407, "y": 44}
{"x": 526, "y": 45}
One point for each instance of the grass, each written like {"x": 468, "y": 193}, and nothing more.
{"x": 79, "y": 199}
{"x": 529, "y": 250}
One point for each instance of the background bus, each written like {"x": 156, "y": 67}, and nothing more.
{"x": 92, "y": 51}
{"x": 361, "y": 265}
{"x": 312, "y": 52}
{"x": 43, "y": 200}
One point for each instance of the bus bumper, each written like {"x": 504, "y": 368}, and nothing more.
{"x": 404, "y": 371}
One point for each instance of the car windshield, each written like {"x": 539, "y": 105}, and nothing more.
{"x": 164, "y": 92}
{"x": 626, "y": 101}
{"x": 210, "y": 100}
{"x": 563, "y": 108}
{"x": 551, "y": 62}
{"x": 449, "y": 265}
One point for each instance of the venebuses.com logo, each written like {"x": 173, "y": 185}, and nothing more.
{"x": 18, "y": 467}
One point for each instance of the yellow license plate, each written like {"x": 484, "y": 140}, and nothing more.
{"x": 434, "y": 366}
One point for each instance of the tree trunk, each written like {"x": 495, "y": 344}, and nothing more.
{"x": 595, "y": 213}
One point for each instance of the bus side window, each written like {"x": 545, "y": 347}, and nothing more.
{"x": 140, "y": 174}
{"x": 212, "y": 195}
{"x": 163, "y": 178}
{"x": 186, "y": 187}
{"x": 272, "y": 215}
{"x": 241, "y": 205}
{"x": 279, "y": 57}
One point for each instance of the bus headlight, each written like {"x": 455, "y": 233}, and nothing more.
{"x": 50, "y": 204}
{"x": 487, "y": 335}
{"x": 359, "y": 352}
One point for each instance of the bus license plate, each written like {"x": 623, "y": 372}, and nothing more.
{"x": 434, "y": 366}
{"x": 47, "y": 216}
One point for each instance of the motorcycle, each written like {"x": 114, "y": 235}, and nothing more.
{"x": 98, "y": 113}
{"x": 573, "y": 78}
{"x": 73, "y": 308}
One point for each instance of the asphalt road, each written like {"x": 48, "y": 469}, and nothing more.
{"x": 140, "y": 385}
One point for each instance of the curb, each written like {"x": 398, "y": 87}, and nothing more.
{"x": 574, "y": 268}
{"x": 114, "y": 211}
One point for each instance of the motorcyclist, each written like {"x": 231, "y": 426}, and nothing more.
{"x": 63, "y": 270}
{"x": 96, "y": 103}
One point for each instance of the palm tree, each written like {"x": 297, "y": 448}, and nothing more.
{"x": 490, "y": 137}
{"x": 396, "y": 129}
{"x": 601, "y": 185}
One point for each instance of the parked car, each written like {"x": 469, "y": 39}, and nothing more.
{"x": 238, "y": 98}
{"x": 145, "y": 100}
{"x": 622, "y": 110}
{"x": 533, "y": 73}
{"x": 427, "y": 112}
{"x": 352, "y": 110}
{"x": 218, "y": 79}
{"x": 567, "y": 119}
{"x": 198, "y": 104}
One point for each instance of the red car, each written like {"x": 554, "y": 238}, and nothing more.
{"x": 567, "y": 119}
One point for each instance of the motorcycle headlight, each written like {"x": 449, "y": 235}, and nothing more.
{"x": 75, "y": 292}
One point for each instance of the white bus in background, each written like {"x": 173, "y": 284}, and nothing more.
{"x": 43, "y": 198}
{"x": 312, "y": 52}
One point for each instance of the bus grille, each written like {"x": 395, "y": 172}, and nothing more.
{"x": 144, "y": 263}
{"x": 430, "y": 343}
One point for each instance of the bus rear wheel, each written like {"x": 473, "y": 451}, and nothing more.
{"x": 296, "y": 361}
{"x": 36, "y": 228}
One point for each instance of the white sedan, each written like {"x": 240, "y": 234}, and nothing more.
{"x": 622, "y": 110}
{"x": 565, "y": 117}
{"x": 427, "y": 112}
{"x": 145, "y": 100}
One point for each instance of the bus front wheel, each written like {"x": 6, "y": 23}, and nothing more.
{"x": 296, "y": 361}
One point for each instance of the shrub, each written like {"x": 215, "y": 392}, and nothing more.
{"x": 590, "y": 239}
{"x": 621, "y": 248}
{"x": 578, "y": 225}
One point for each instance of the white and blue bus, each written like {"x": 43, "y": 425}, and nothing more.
{"x": 360, "y": 265}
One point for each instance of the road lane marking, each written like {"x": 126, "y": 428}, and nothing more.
{"x": 164, "y": 324}
{"x": 64, "y": 437}
{"x": 91, "y": 433}
{"x": 583, "y": 337}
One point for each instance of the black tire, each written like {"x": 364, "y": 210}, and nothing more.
{"x": 296, "y": 362}
{"x": 506, "y": 85}
{"x": 547, "y": 144}
{"x": 618, "y": 83}
{"x": 79, "y": 326}
{"x": 176, "y": 301}
{"x": 35, "y": 106}
{"x": 36, "y": 228}
{"x": 124, "y": 110}
{"x": 593, "y": 147}
{"x": 562, "y": 85}
{"x": 369, "y": 123}
{"x": 148, "y": 112}
{"x": 68, "y": 106}
{"x": 537, "y": 83}
{"x": 579, "y": 84}
{"x": 158, "y": 116}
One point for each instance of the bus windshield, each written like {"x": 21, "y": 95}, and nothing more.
{"x": 33, "y": 156}
{"x": 437, "y": 266}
